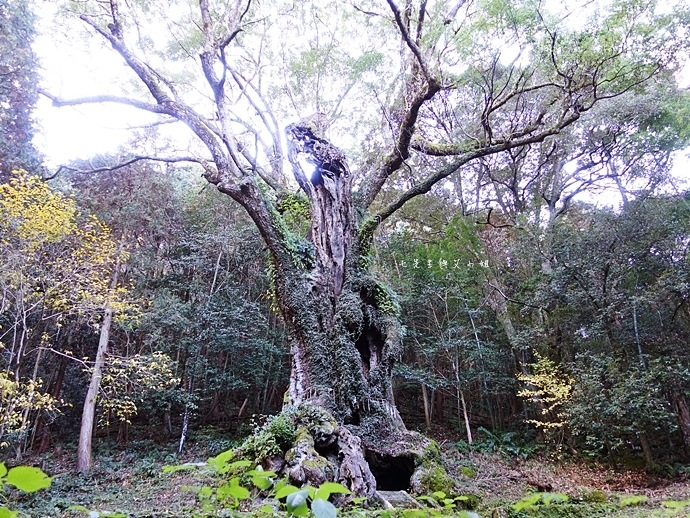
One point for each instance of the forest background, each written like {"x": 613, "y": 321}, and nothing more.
{"x": 535, "y": 321}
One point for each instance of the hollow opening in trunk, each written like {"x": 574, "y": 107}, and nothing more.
{"x": 369, "y": 346}
{"x": 391, "y": 473}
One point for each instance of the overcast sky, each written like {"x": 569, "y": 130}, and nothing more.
{"x": 72, "y": 67}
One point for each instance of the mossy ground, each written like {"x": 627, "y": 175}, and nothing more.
{"x": 131, "y": 481}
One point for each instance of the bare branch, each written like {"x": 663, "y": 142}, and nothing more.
{"x": 402, "y": 27}
{"x": 451, "y": 168}
{"x": 97, "y": 99}
{"x": 401, "y": 150}
{"x": 454, "y": 12}
{"x": 138, "y": 158}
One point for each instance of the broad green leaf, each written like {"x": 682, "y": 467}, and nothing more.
{"x": 262, "y": 482}
{"x": 28, "y": 478}
{"x": 323, "y": 508}
{"x": 6, "y": 513}
{"x": 526, "y": 502}
{"x": 220, "y": 460}
{"x": 235, "y": 491}
{"x": 438, "y": 494}
{"x": 296, "y": 499}
{"x": 260, "y": 473}
{"x": 302, "y": 510}
{"x": 285, "y": 491}
{"x": 3, "y": 469}
{"x": 414, "y": 513}
{"x": 328, "y": 488}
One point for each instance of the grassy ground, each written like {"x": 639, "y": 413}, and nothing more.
{"x": 132, "y": 482}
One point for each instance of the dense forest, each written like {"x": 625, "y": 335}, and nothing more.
{"x": 466, "y": 233}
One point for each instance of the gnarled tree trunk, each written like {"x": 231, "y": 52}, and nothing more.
{"x": 343, "y": 328}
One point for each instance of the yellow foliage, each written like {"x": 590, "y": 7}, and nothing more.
{"x": 52, "y": 255}
{"x": 33, "y": 213}
{"x": 16, "y": 398}
{"x": 552, "y": 388}
{"x": 127, "y": 380}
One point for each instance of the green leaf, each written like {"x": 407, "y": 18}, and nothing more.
{"x": 328, "y": 488}
{"x": 467, "y": 514}
{"x": 28, "y": 478}
{"x": 285, "y": 491}
{"x": 439, "y": 495}
{"x": 221, "y": 459}
{"x": 296, "y": 499}
{"x": 526, "y": 502}
{"x": 262, "y": 482}
{"x": 261, "y": 473}
{"x": 302, "y": 510}
{"x": 414, "y": 513}
{"x": 556, "y": 498}
{"x": 6, "y": 513}
{"x": 3, "y": 469}
{"x": 323, "y": 508}
{"x": 233, "y": 490}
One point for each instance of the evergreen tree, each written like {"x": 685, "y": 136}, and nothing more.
{"x": 18, "y": 88}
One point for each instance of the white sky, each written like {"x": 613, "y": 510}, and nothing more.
{"x": 74, "y": 68}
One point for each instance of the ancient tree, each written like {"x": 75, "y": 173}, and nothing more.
{"x": 425, "y": 88}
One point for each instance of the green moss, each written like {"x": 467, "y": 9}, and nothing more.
{"x": 317, "y": 462}
{"x": 386, "y": 300}
{"x": 468, "y": 472}
{"x": 595, "y": 496}
{"x": 434, "y": 478}
{"x": 366, "y": 233}
{"x": 432, "y": 453}
{"x": 315, "y": 421}
{"x": 565, "y": 510}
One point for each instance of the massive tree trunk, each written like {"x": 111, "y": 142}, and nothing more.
{"x": 343, "y": 328}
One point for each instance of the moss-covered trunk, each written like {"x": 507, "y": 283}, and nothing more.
{"x": 345, "y": 336}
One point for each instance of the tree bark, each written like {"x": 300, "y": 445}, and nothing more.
{"x": 89, "y": 412}
{"x": 683, "y": 413}
{"x": 647, "y": 451}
